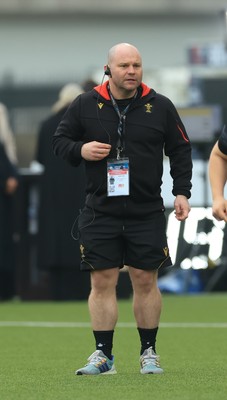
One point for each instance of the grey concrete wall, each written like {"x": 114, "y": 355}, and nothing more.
{"x": 46, "y": 49}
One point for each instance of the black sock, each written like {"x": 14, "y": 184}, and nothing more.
{"x": 104, "y": 342}
{"x": 147, "y": 338}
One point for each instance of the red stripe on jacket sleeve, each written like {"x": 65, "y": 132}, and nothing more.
{"x": 182, "y": 134}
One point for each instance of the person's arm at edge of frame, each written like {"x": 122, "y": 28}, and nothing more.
{"x": 9, "y": 178}
{"x": 217, "y": 167}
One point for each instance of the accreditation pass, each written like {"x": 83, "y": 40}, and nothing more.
{"x": 118, "y": 177}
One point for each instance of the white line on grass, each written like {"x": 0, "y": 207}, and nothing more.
{"x": 44, "y": 324}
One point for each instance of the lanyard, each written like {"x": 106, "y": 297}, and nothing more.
{"x": 121, "y": 124}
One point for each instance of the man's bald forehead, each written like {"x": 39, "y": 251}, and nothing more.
{"x": 118, "y": 47}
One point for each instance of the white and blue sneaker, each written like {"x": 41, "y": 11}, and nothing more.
{"x": 97, "y": 364}
{"x": 150, "y": 362}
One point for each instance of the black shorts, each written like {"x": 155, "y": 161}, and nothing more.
{"x": 112, "y": 242}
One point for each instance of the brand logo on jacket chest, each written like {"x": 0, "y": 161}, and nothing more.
{"x": 100, "y": 105}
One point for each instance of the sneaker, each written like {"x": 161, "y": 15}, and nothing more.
{"x": 149, "y": 362}
{"x": 98, "y": 363}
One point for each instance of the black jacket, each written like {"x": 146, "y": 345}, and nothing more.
{"x": 7, "y": 170}
{"x": 152, "y": 126}
{"x": 61, "y": 188}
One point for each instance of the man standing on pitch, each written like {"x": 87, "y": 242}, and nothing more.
{"x": 120, "y": 130}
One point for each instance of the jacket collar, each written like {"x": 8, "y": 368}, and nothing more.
{"x": 103, "y": 91}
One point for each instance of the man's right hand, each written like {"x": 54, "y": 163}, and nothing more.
{"x": 95, "y": 151}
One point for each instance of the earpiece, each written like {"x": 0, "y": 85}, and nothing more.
{"x": 107, "y": 70}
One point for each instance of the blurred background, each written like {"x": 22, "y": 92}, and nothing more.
{"x": 47, "y": 44}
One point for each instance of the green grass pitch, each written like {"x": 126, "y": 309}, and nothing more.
{"x": 42, "y": 343}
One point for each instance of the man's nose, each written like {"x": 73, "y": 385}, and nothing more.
{"x": 131, "y": 69}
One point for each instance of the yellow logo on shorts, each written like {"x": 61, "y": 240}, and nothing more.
{"x": 82, "y": 251}
{"x": 166, "y": 251}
